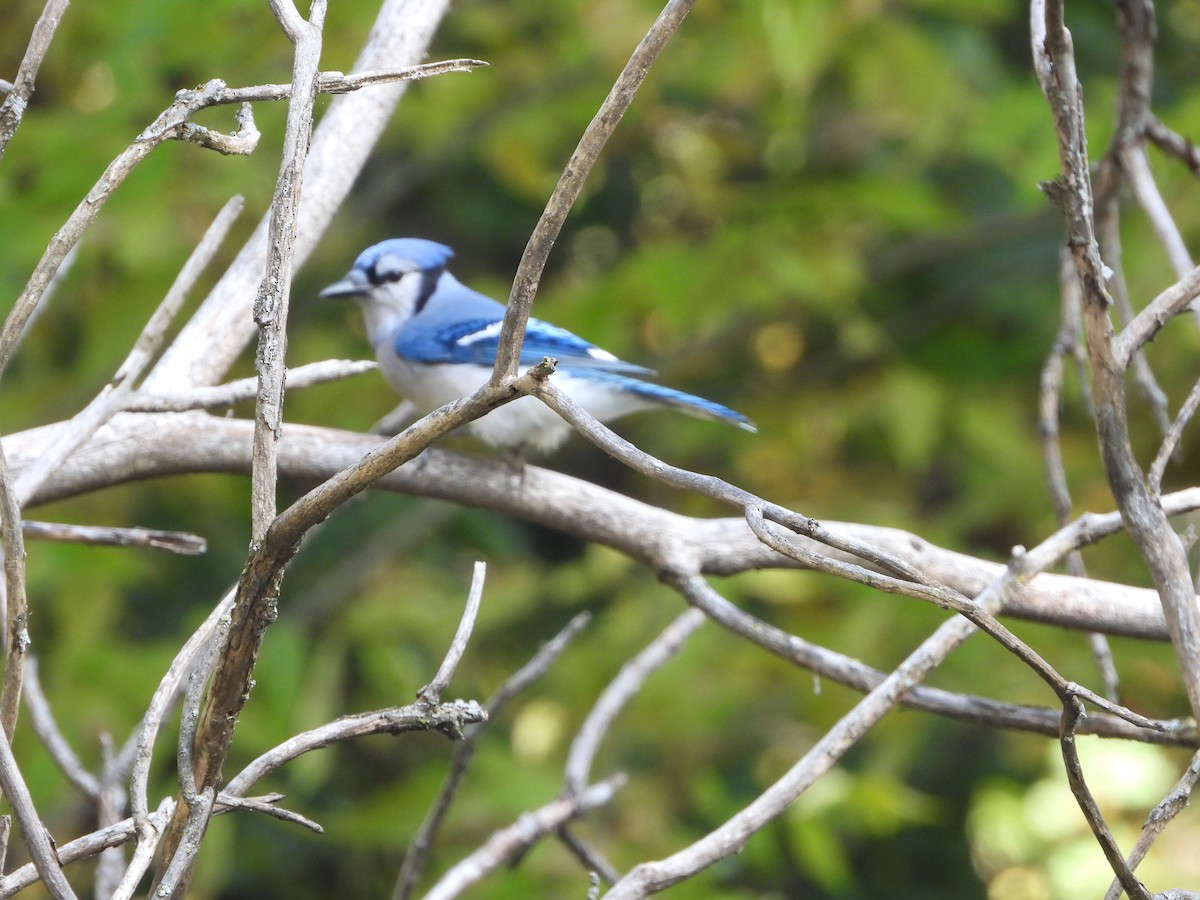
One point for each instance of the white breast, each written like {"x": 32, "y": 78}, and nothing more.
{"x": 525, "y": 422}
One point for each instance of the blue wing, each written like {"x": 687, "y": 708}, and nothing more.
{"x": 475, "y": 341}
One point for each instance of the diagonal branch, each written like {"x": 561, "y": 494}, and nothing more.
{"x": 13, "y": 108}
{"x": 1144, "y": 517}
{"x": 570, "y": 183}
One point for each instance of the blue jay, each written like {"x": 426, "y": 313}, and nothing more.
{"x": 436, "y": 341}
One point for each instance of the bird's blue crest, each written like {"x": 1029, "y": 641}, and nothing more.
{"x": 425, "y": 254}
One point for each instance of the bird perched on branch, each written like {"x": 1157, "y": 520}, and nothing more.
{"x": 436, "y": 341}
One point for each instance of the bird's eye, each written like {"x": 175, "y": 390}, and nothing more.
{"x": 389, "y": 269}
{"x": 381, "y": 274}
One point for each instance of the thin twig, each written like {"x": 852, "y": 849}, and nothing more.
{"x": 143, "y": 851}
{"x": 1159, "y": 818}
{"x": 511, "y": 842}
{"x": 1173, "y": 144}
{"x": 1174, "y": 435}
{"x": 154, "y": 332}
{"x": 170, "y": 125}
{"x": 218, "y": 333}
{"x": 179, "y": 542}
{"x": 1073, "y": 711}
{"x": 174, "y": 880}
{"x": 732, "y": 835}
{"x": 1146, "y": 520}
{"x": 37, "y": 839}
{"x": 1147, "y": 323}
{"x": 589, "y": 856}
{"x": 1141, "y": 180}
{"x": 21, "y": 89}
{"x": 16, "y": 631}
{"x": 446, "y": 718}
{"x": 629, "y": 680}
{"x": 110, "y": 809}
{"x": 111, "y": 399}
{"x": 267, "y": 806}
{"x": 189, "y": 718}
{"x": 418, "y": 848}
{"x": 570, "y": 183}
{"x": 432, "y": 692}
{"x": 48, "y": 732}
{"x": 709, "y": 486}
{"x": 274, "y": 292}
{"x": 340, "y": 83}
{"x": 858, "y": 676}
{"x": 210, "y": 630}
{"x": 122, "y": 832}
{"x": 1068, "y": 341}
{"x": 244, "y": 389}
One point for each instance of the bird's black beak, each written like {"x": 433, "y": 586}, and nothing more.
{"x": 354, "y": 284}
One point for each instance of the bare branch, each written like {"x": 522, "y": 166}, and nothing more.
{"x": 418, "y": 848}
{"x": 33, "y": 832}
{"x": 135, "y": 447}
{"x": 590, "y": 857}
{"x": 238, "y": 143}
{"x": 432, "y": 692}
{"x": 619, "y": 692}
{"x": 253, "y": 612}
{"x": 709, "y": 486}
{"x": 210, "y": 630}
{"x": 854, "y": 674}
{"x": 1160, "y": 817}
{"x": 292, "y": 22}
{"x": 1148, "y": 525}
{"x": 143, "y": 853}
{"x": 16, "y": 613}
{"x": 511, "y": 842}
{"x": 245, "y": 389}
{"x": 170, "y": 125}
{"x": 111, "y": 399}
{"x": 337, "y": 83}
{"x": 1072, "y": 712}
{"x": 1173, "y": 144}
{"x": 21, "y": 89}
{"x": 1147, "y": 323}
{"x": 267, "y": 806}
{"x": 110, "y": 809}
{"x": 732, "y": 835}
{"x": 122, "y": 832}
{"x": 1186, "y": 413}
{"x": 174, "y": 881}
{"x": 104, "y": 536}
{"x": 274, "y": 292}
{"x": 215, "y": 336}
{"x": 570, "y": 183}
{"x": 447, "y": 718}
{"x": 47, "y": 730}
{"x": 1140, "y": 178}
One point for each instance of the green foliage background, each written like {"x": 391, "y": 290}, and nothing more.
{"x": 823, "y": 213}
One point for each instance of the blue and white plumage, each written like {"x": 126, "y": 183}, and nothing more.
{"x": 436, "y": 341}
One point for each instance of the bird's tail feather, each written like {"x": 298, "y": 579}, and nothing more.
{"x": 680, "y": 400}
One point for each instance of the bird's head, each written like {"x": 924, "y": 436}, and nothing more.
{"x": 395, "y": 278}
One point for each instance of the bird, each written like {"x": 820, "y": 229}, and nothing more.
{"x": 436, "y": 340}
